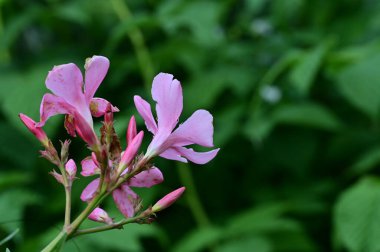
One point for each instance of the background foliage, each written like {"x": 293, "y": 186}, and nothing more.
{"x": 294, "y": 87}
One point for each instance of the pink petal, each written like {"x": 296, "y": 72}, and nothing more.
{"x": 85, "y": 130}
{"x": 52, "y": 105}
{"x": 98, "y": 107}
{"x": 130, "y": 153}
{"x": 37, "y": 131}
{"x": 125, "y": 200}
{"x": 96, "y": 70}
{"x": 197, "y": 157}
{"x": 168, "y": 95}
{"x": 99, "y": 215}
{"x": 66, "y": 81}
{"x": 197, "y": 129}
{"x": 132, "y": 130}
{"x": 145, "y": 111}
{"x": 71, "y": 169}
{"x": 173, "y": 154}
{"x": 147, "y": 178}
{"x": 89, "y": 167}
{"x": 89, "y": 192}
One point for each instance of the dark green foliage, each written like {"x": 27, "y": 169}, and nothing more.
{"x": 294, "y": 87}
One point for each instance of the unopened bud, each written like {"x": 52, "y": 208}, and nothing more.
{"x": 131, "y": 151}
{"x": 132, "y": 130}
{"x": 57, "y": 176}
{"x": 108, "y": 116}
{"x": 65, "y": 150}
{"x": 37, "y": 131}
{"x": 94, "y": 159}
{"x": 168, "y": 200}
{"x": 71, "y": 169}
{"x": 99, "y": 215}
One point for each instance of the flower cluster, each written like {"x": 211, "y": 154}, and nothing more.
{"x": 117, "y": 170}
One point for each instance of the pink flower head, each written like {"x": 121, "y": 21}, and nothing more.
{"x": 99, "y": 215}
{"x": 37, "y": 131}
{"x": 71, "y": 169}
{"x": 125, "y": 199}
{"x": 198, "y": 129}
{"x": 168, "y": 200}
{"x": 75, "y": 99}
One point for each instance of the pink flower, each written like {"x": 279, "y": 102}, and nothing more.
{"x": 126, "y": 200}
{"x": 197, "y": 129}
{"x": 71, "y": 169}
{"x": 99, "y": 215}
{"x": 37, "y": 131}
{"x": 75, "y": 99}
{"x": 168, "y": 200}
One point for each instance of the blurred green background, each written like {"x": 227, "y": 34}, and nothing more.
{"x": 294, "y": 87}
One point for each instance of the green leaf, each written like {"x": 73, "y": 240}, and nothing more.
{"x": 249, "y": 243}
{"x": 303, "y": 74}
{"x": 199, "y": 239}
{"x": 369, "y": 160}
{"x": 9, "y": 237}
{"x": 356, "y": 213}
{"x": 359, "y": 83}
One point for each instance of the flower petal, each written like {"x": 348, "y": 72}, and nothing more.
{"x": 89, "y": 167}
{"x": 96, "y": 69}
{"x": 143, "y": 107}
{"x": 197, "y": 157}
{"x": 98, "y": 107}
{"x": 197, "y": 129}
{"x": 90, "y": 190}
{"x": 147, "y": 178}
{"x": 126, "y": 200}
{"x": 66, "y": 81}
{"x": 168, "y": 95}
{"x": 173, "y": 154}
{"x": 52, "y": 105}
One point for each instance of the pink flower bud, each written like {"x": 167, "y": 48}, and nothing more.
{"x": 71, "y": 169}
{"x": 168, "y": 200}
{"x": 131, "y": 150}
{"x": 99, "y": 215}
{"x": 57, "y": 176}
{"x": 37, "y": 131}
{"x": 108, "y": 116}
{"x": 132, "y": 130}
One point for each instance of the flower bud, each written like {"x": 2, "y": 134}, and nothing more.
{"x": 37, "y": 131}
{"x": 108, "y": 116}
{"x": 94, "y": 159}
{"x": 57, "y": 176}
{"x": 99, "y": 215}
{"x": 168, "y": 200}
{"x": 132, "y": 130}
{"x": 65, "y": 150}
{"x": 71, "y": 169}
{"x": 131, "y": 151}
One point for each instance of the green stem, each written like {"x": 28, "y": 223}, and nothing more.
{"x": 137, "y": 39}
{"x": 192, "y": 196}
{"x": 116, "y": 225}
{"x": 68, "y": 206}
{"x": 56, "y": 244}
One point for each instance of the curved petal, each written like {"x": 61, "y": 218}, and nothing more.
{"x": 98, "y": 107}
{"x": 126, "y": 200}
{"x": 197, "y": 157}
{"x": 52, "y": 105}
{"x": 147, "y": 178}
{"x": 84, "y": 129}
{"x": 145, "y": 111}
{"x": 173, "y": 154}
{"x": 96, "y": 69}
{"x": 168, "y": 95}
{"x": 66, "y": 81}
{"x": 89, "y": 168}
{"x": 90, "y": 190}
{"x": 197, "y": 129}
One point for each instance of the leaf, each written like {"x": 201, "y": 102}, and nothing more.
{"x": 359, "y": 83}
{"x": 355, "y": 216}
{"x": 306, "y": 115}
{"x": 249, "y": 243}
{"x": 199, "y": 239}
{"x": 366, "y": 162}
{"x": 303, "y": 74}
